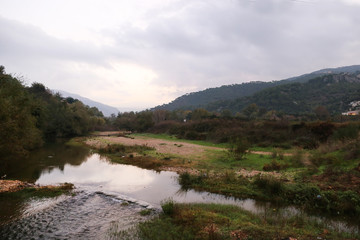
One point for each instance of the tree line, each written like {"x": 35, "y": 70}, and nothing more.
{"x": 32, "y": 115}
{"x": 253, "y": 125}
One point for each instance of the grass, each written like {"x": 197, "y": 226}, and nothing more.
{"x": 78, "y": 141}
{"x": 43, "y": 192}
{"x": 175, "y": 139}
{"x": 268, "y": 188}
{"x": 221, "y": 160}
{"x": 145, "y": 212}
{"x": 305, "y": 180}
{"x": 215, "y": 222}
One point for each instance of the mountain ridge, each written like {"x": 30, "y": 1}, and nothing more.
{"x": 333, "y": 91}
{"x": 202, "y": 99}
{"x": 105, "y": 109}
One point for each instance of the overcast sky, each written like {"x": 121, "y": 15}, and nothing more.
{"x": 141, "y": 53}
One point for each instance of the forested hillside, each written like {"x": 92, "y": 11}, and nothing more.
{"x": 333, "y": 92}
{"x": 231, "y": 92}
{"x": 30, "y": 116}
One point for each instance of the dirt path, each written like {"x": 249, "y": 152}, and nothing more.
{"x": 179, "y": 148}
{"x": 171, "y": 147}
{"x": 161, "y": 146}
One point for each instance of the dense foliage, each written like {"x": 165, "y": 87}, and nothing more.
{"x": 271, "y": 130}
{"x": 220, "y": 97}
{"x": 334, "y": 92}
{"x": 30, "y": 116}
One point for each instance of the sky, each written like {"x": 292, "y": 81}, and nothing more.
{"x": 139, "y": 54}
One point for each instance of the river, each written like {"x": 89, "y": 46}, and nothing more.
{"x": 105, "y": 194}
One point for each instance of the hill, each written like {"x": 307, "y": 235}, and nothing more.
{"x": 332, "y": 91}
{"x": 231, "y": 92}
{"x": 105, "y": 109}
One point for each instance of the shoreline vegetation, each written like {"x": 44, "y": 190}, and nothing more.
{"x": 216, "y": 221}
{"x": 17, "y": 188}
{"x": 302, "y": 153}
{"x": 290, "y": 177}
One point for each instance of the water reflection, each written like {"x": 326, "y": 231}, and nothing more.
{"x": 93, "y": 173}
{"x": 53, "y": 156}
{"x": 99, "y": 173}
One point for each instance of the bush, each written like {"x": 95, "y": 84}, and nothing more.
{"x": 306, "y": 142}
{"x": 168, "y": 207}
{"x": 269, "y": 184}
{"x": 347, "y": 132}
{"x": 274, "y": 166}
{"x": 186, "y": 180}
{"x": 297, "y": 159}
{"x": 352, "y": 151}
{"x": 301, "y": 194}
{"x": 349, "y": 202}
{"x": 238, "y": 148}
{"x": 319, "y": 160}
{"x": 230, "y": 176}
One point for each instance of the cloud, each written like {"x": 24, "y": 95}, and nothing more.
{"x": 143, "y": 54}
{"x": 219, "y": 42}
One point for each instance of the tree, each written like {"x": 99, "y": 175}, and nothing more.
{"x": 18, "y": 132}
{"x": 322, "y": 113}
{"x": 251, "y": 111}
{"x": 238, "y": 148}
{"x": 199, "y": 114}
{"x": 160, "y": 115}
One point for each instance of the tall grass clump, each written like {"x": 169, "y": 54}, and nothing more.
{"x": 238, "y": 148}
{"x": 168, "y": 207}
{"x": 187, "y": 180}
{"x": 298, "y": 158}
{"x": 269, "y": 185}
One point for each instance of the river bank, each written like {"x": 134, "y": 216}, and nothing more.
{"x": 212, "y": 169}
{"x": 10, "y": 186}
{"x": 16, "y": 189}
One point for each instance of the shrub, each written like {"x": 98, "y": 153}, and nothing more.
{"x": 269, "y": 184}
{"x": 274, "y": 166}
{"x": 347, "y": 132}
{"x": 230, "y": 176}
{"x": 145, "y": 212}
{"x": 306, "y": 142}
{"x": 349, "y": 202}
{"x": 301, "y": 194}
{"x": 319, "y": 160}
{"x": 168, "y": 207}
{"x": 352, "y": 151}
{"x": 238, "y": 148}
{"x": 186, "y": 180}
{"x": 297, "y": 159}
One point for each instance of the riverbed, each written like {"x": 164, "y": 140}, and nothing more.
{"x": 105, "y": 194}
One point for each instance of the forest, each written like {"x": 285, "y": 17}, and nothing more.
{"x": 32, "y": 115}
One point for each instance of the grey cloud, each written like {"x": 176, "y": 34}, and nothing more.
{"x": 28, "y": 42}
{"x": 273, "y": 39}
{"x": 200, "y": 44}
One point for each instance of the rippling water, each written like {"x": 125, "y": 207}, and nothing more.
{"x": 86, "y": 215}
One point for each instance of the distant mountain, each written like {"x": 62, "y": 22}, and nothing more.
{"x": 333, "y": 91}
{"x": 235, "y": 91}
{"x": 105, "y": 109}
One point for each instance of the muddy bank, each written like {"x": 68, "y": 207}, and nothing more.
{"x": 8, "y": 186}
{"x": 161, "y": 146}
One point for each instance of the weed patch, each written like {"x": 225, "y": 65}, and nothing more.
{"x": 214, "y": 221}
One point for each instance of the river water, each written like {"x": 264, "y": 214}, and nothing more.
{"x": 106, "y": 193}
